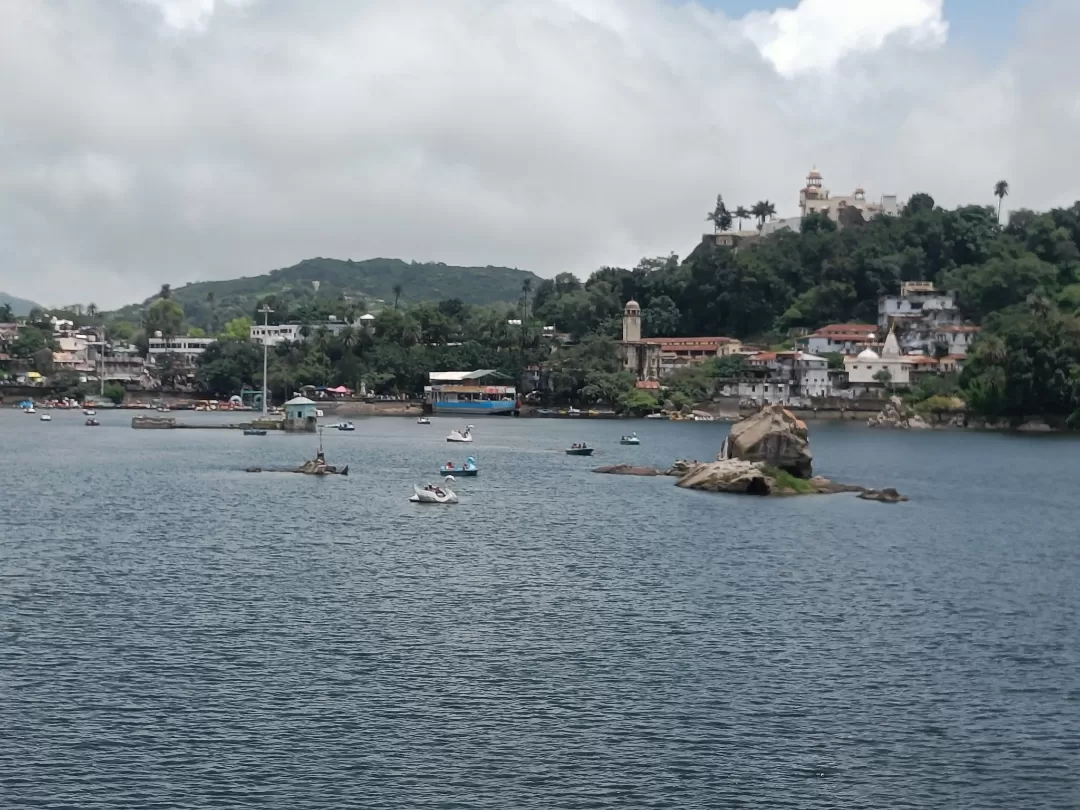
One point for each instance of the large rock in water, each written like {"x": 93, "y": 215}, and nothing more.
{"x": 730, "y": 475}
{"x": 774, "y": 436}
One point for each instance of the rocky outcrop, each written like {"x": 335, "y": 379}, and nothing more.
{"x": 773, "y": 436}
{"x": 628, "y": 469}
{"x": 897, "y": 415}
{"x": 729, "y": 475}
{"x": 888, "y": 495}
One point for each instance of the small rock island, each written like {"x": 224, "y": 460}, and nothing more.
{"x": 767, "y": 453}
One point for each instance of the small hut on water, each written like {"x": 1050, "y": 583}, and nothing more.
{"x": 300, "y": 415}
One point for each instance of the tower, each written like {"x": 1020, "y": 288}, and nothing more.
{"x": 631, "y": 322}
{"x": 813, "y": 190}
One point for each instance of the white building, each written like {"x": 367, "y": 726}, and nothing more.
{"x": 918, "y": 301}
{"x": 814, "y": 198}
{"x": 840, "y": 338}
{"x": 957, "y": 339}
{"x": 274, "y": 334}
{"x": 186, "y": 348}
{"x": 862, "y": 369}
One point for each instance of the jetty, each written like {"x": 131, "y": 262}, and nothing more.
{"x": 169, "y": 423}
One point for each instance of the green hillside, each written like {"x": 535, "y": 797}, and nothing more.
{"x": 19, "y": 306}
{"x": 369, "y": 281}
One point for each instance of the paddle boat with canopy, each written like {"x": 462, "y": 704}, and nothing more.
{"x": 469, "y": 468}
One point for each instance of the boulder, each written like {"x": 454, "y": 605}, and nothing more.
{"x": 628, "y": 469}
{"x": 729, "y": 475}
{"x": 888, "y": 495}
{"x": 773, "y": 436}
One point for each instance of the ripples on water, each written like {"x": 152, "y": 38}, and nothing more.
{"x": 175, "y": 633}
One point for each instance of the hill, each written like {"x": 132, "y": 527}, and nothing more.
{"x": 371, "y": 280}
{"x": 19, "y": 306}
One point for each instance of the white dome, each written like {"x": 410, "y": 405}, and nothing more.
{"x": 868, "y": 354}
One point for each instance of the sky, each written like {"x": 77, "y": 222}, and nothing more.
{"x": 167, "y": 141}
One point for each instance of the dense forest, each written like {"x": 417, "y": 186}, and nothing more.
{"x": 367, "y": 284}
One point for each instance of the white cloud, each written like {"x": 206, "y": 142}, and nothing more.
{"x": 553, "y": 135}
{"x": 818, "y": 34}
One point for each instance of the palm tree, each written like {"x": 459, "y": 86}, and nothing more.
{"x": 210, "y": 303}
{"x": 1001, "y": 191}
{"x": 526, "y": 288}
{"x": 398, "y": 289}
{"x": 770, "y": 210}
{"x": 91, "y": 310}
{"x": 758, "y": 213}
{"x": 740, "y": 214}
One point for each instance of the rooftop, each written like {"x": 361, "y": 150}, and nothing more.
{"x": 462, "y": 376}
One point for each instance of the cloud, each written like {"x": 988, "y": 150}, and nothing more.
{"x": 152, "y": 141}
{"x": 818, "y": 34}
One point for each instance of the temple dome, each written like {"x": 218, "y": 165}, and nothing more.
{"x": 632, "y": 306}
{"x": 868, "y": 354}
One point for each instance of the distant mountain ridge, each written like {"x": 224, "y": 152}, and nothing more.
{"x": 371, "y": 279}
{"x": 19, "y": 306}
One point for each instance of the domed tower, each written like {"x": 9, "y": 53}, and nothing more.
{"x": 631, "y": 322}
{"x": 813, "y": 190}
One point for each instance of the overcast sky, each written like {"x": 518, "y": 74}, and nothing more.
{"x": 151, "y": 141}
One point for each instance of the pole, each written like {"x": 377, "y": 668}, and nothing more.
{"x": 265, "y": 310}
{"x": 101, "y": 363}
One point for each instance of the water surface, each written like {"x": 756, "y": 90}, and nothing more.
{"x": 176, "y": 633}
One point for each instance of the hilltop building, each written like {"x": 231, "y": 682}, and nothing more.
{"x": 814, "y": 198}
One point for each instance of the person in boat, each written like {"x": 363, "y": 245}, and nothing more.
{"x": 449, "y": 465}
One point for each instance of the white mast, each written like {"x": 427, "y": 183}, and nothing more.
{"x": 265, "y": 310}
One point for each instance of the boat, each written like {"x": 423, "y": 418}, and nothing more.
{"x": 89, "y": 412}
{"x": 631, "y": 439}
{"x": 461, "y": 436}
{"x": 656, "y": 416}
{"x": 345, "y": 426}
{"x": 433, "y": 494}
{"x": 46, "y": 418}
{"x": 579, "y": 450}
{"x": 469, "y": 468}
{"x": 423, "y": 420}
{"x": 254, "y": 432}
{"x": 91, "y": 422}
{"x": 30, "y": 410}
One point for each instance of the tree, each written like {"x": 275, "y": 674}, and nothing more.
{"x": 115, "y": 393}
{"x": 661, "y": 318}
{"x": 240, "y": 328}
{"x": 918, "y": 202}
{"x": 43, "y": 362}
{"x": 720, "y": 217}
{"x": 211, "y": 326}
{"x": 228, "y": 366}
{"x": 92, "y": 310}
{"x": 884, "y": 377}
{"x": 526, "y": 289}
{"x": 740, "y": 214}
{"x": 166, "y": 292}
{"x": 6, "y": 316}
{"x": 164, "y": 316}
{"x": 29, "y": 341}
{"x": 1001, "y": 191}
{"x": 398, "y": 290}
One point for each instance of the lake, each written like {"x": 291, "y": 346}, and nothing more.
{"x": 176, "y": 633}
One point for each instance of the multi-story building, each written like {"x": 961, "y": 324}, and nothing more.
{"x": 842, "y": 338}
{"x": 273, "y": 334}
{"x": 187, "y": 349}
{"x": 655, "y": 358}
